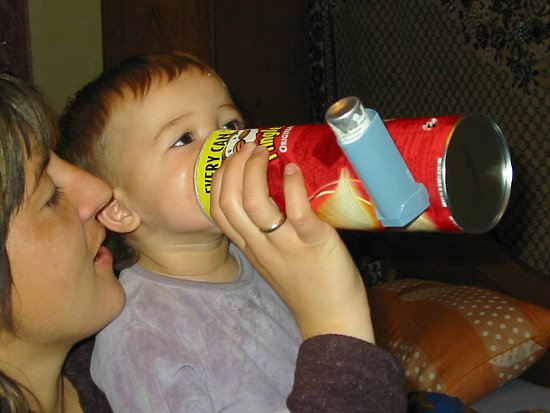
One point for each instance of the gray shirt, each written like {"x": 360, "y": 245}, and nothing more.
{"x": 184, "y": 346}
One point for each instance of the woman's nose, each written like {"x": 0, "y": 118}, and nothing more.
{"x": 95, "y": 195}
{"x": 88, "y": 193}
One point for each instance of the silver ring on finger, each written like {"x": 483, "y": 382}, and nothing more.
{"x": 275, "y": 226}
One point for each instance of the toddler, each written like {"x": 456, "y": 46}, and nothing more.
{"x": 201, "y": 330}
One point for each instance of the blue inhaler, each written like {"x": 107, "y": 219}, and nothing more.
{"x": 364, "y": 139}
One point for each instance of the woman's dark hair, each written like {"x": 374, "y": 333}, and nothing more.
{"x": 27, "y": 131}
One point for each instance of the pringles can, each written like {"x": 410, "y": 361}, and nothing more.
{"x": 448, "y": 173}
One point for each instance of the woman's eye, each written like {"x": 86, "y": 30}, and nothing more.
{"x": 55, "y": 197}
{"x": 233, "y": 124}
{"x": 183, "y": 140}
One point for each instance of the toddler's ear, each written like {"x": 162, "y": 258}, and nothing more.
{"x": 117, "y": 217}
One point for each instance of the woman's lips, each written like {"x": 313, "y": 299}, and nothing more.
{"x": 103, "y": 256}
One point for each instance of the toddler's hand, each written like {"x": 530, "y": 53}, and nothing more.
{"x": 304, "y": 259}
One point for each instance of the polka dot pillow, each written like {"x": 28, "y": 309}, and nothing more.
{"x": 459, "y": 340}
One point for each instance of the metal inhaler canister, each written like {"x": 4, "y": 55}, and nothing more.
{"x": 461, "y": 161}
{"x": 361, "y": 134}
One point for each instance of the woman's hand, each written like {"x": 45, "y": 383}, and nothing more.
{"x": 304, "y": 260}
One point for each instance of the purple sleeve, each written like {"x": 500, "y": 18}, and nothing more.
{"x": 336, "y": 373}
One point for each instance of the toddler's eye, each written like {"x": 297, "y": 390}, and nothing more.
{"x": 233, "y": 124}
{"x": 183, "y": 140}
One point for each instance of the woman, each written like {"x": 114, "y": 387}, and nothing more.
{"x": 57, "y": 283}
{"x": 57, "y": 286}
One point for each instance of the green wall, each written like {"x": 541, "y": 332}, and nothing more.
{"x": 66, "y": 46}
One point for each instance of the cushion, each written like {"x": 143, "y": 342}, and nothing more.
{"x": 463, "y": 341}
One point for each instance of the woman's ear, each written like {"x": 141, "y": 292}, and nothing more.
{"x": 118, "y": 218}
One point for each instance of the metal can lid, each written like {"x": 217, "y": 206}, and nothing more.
{"x": 477, "y": 173}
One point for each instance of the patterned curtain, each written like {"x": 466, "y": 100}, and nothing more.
{"x": 435, "y": 57}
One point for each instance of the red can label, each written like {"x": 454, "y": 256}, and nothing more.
{"x": 336, "y": 193}
{"x": 423, "y": 144}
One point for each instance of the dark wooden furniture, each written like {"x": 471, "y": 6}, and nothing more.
{"x": 259, "y": 48}
{"x": 15, "y": 37}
